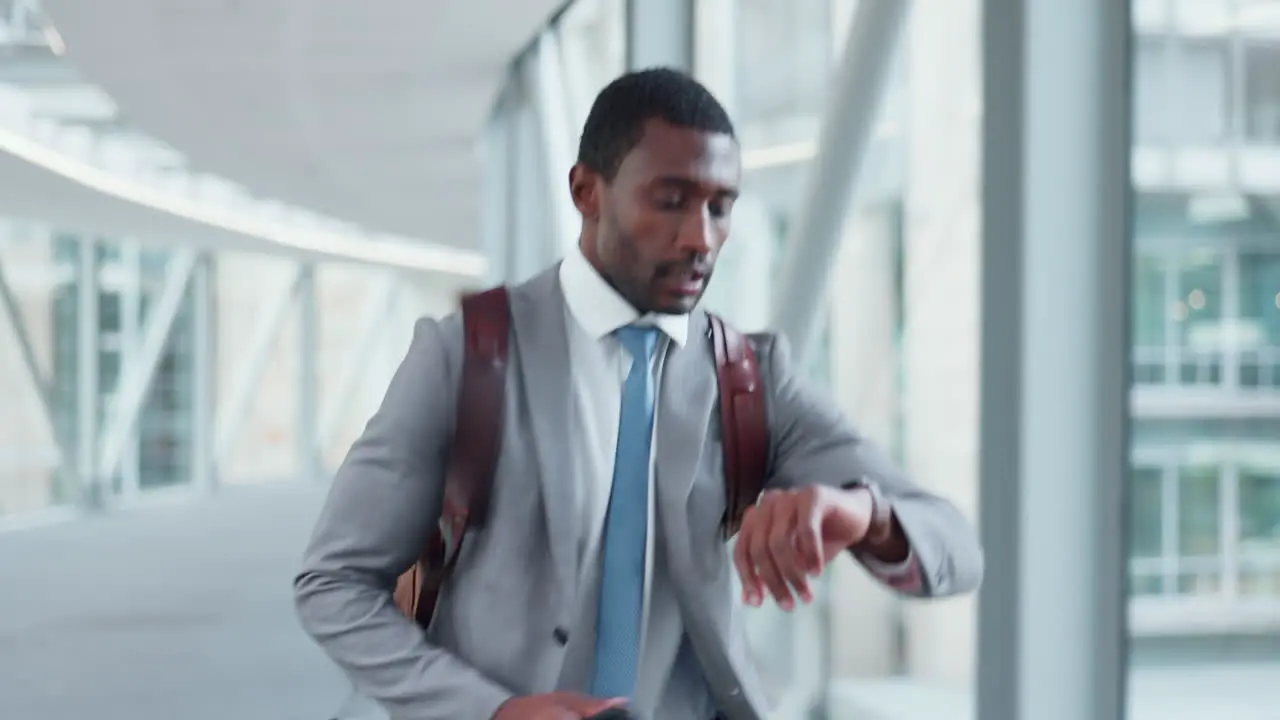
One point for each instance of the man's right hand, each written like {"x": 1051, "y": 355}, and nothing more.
{"x": 555, "y": 706}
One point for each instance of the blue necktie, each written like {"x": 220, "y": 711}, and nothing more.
{"x": 622, "y": 579}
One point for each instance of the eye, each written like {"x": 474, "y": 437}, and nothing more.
{"x": 671, "y": 200}
{"x": 721, "y": 207}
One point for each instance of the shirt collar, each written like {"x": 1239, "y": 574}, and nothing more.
{"x": 600, "y": 310}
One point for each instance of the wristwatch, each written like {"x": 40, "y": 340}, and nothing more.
{"x": 881, "y": 527}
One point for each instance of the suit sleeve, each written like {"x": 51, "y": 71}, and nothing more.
{"x": 812, "y": 442}
{"x": 384, "y": 501}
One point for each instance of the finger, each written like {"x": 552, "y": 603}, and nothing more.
{"x": 782, "y": 547}
{"x": 762, "y": 555}
{"x": 808, "y": 534}
{"x": 584, "y": 706}
{"x": 752, "y": 587}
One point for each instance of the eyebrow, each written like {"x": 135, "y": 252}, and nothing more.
{"x": 683, "y": 182}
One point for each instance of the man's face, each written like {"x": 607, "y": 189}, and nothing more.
{"x": 663, "y": 219}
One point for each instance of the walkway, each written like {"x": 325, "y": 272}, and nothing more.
{"x": 183, "y": 611}
{"x": 168, "y": 612}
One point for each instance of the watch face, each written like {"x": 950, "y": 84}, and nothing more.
{"x": 862, "y": 482}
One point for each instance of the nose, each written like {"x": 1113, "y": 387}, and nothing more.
{"x": 698, "y": 234}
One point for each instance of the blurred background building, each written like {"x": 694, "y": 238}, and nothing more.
{"x": 219, "y": 219}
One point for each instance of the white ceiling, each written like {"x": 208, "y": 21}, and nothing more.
{"x": 364, "y": 110}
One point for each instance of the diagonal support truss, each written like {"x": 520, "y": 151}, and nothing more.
{"x": 137, "y": 380}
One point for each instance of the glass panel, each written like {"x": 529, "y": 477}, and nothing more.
{"x": 1201, "y": 85}
{"x": 1197, "y": 311}
{"x": 1205, "y": 605}
{"x": 1151, "y": 314}
{"x": 1262, "y": 92}
{"x": 898, "y": 349}
{"x": 1260, "y": 298}
{"x": 1151, "y": 118}
{"x": 784, "y": 58}
{"x": 1147, "y": 529}
{"x": 1198, "y": 511}
{"x": 1260, "y": 532}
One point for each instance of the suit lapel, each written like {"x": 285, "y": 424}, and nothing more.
{"x": 687, "y": 399}
{"x": 543, "y": 344}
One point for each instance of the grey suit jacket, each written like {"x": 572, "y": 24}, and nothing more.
{"x": 499, "y": 628}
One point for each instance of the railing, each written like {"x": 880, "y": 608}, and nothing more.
{"x": 1257, "y": 367}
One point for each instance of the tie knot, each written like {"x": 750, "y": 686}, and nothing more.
{"x": 639, "y": 340}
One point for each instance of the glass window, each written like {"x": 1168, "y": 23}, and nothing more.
{"x": 1260, "y": 297}
{"x": 1151, "y": 308}
{"x": 1201, "y": 90}
{"x": 1199, "y": 529}
{"x": 1259, "y": 327}
{"x": 1197, "y": 310}
{"x": 1262, "y": 91}
{"x": 1147, "y": 528}
{"x": 1150, "y": 117}
{"x": 1260, "y": 532}
{"x": 784, "y": 54}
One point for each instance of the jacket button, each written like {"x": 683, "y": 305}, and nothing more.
{"x": 561, "y": 635}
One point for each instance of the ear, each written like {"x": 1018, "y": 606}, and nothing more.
{"x": 584, "y": 188}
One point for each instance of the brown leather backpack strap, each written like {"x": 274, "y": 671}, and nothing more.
{"x": 743, "y": 421}
{"x": 473, "y": 452}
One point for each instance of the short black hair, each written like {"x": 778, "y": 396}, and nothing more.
{"x": 616, "y": 122}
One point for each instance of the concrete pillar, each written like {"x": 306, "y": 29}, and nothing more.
{"x": 1055, "y": 359}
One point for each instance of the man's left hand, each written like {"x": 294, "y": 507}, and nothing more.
{"x": 789, "y": 536}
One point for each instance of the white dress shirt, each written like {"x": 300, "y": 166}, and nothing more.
{"x": 600, "y": 364}
{"x": 599, "y": 369}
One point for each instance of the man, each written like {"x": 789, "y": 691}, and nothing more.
{"x": 600, "y": 577}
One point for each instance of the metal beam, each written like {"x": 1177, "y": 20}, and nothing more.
{"x": 1052, "y": 636}
{"x": 310, "y": 467}
{"x": 203, "y": 373}
{"x": 92, "y": 487}
{"x": 135, "y": 381}
{"x": 378, "y": 313}
{"x": 847, "y": 127}
{"x": 232, "y": 418}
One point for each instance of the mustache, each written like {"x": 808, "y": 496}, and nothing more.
{"x": 685, "y": 268}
